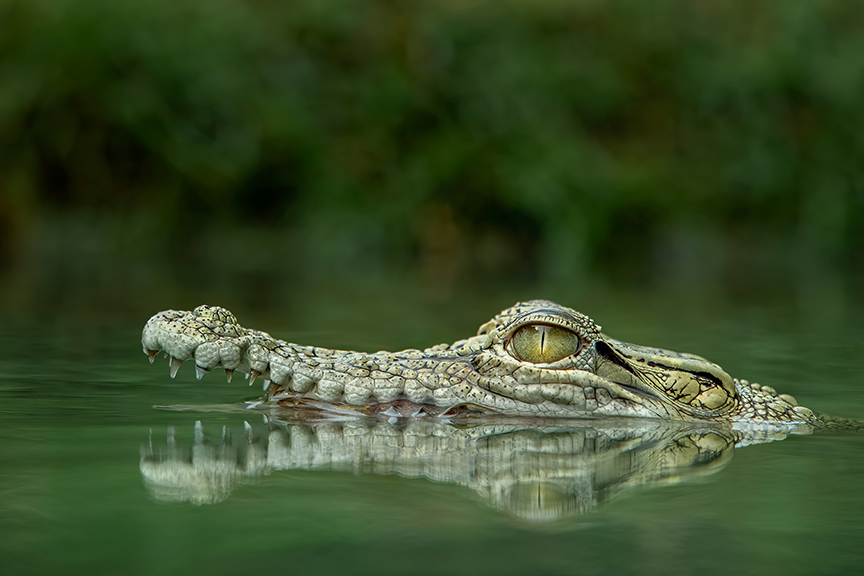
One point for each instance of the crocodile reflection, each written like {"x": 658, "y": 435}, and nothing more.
{"x": 540, "y": 473}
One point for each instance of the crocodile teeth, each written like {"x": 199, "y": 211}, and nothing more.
{"x": 252, "y": 375}
{"x": 151, "y": 354}
{"x": 175, "y": 365}
{"x": 391, "y": 412}
{"x": 199, "y": 372}
{"x": 266, "y": 385}
{"x": 228, "y": 374}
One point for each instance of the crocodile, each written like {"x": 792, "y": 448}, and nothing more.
{"x": 533, "y": 359}
{"x": 537, "y": 473}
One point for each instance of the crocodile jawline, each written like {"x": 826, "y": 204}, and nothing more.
{"x": 576, "y": 371}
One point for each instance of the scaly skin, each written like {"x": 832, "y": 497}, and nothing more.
{"x": 577, "y": 372}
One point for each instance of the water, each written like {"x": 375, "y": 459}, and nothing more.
{"x": 76, "y": 495}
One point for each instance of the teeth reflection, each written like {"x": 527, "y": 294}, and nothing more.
{"x": 175, "y": 365}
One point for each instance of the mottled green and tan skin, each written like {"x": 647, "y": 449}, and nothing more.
{"x": 536, "y": 358}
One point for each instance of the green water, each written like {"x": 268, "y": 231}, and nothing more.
{"x": 76, "y": 407}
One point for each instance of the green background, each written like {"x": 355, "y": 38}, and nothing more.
{"x": 167, "y": 152}
{"x": 382, "y": 174}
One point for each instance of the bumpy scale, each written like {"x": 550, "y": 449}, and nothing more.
{"x": 536, "y": 358}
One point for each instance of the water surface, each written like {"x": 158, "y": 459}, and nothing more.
{"x": 77, "y": 411}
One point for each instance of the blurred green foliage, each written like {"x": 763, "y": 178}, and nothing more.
{"x": 206, "y": 143}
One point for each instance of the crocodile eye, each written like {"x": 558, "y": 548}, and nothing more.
{"x": 542, "y": 344}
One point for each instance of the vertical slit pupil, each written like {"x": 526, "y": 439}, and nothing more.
{"x": 543, "y": 343}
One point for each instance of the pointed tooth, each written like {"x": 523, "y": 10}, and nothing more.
{"x": 228, "y": 374}
{"x": 199, "y": 372}
{"x": 151, "y": 354}
{"x": 175, "y": 365}
{"x": 266, "y": 385}
{"x": 252, "y": 375}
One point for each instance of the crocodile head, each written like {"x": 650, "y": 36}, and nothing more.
{"x": 536, "y": 358}
{"x": 540, "y": 351}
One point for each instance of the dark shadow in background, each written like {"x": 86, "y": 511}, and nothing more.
{"x": 171, "y": 152}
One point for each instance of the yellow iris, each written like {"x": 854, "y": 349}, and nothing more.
{"x": 542, "y": 344}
